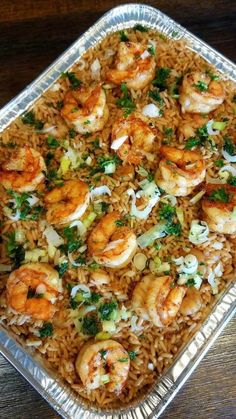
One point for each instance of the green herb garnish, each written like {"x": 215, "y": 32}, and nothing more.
{"x": 28, "y": 118}
{"x": 52, "y": 142}
{"x": 132, "y": 355}
{"x": 151, "y": 50}
{"x": 125, "y": 101}
{"x": 168, "y": 213}
{"x": 46, "y": 330}
{"x": 155, "y": 95}
{"x": 72, "y": 133}
{"x": 201, "y": 86}
{"x": 190, "y": 282}
{"x": 212, "y": 75}
{"x": 62, "y": 268}
{"x": 140, "y": 28}
{"x": 220, "y": 195}
{"x": 73, "y": 241}
{"x": 90, "y": 326}
{"x": 123, "y": 36}
{"x": 219, "y": 163}
{"x": 74, "y": 81}
{"x": 229, "y": 146}
{"x": 106, "y": 310}
{"x": 160, "y": 80}
{"x": 232, "y": 180}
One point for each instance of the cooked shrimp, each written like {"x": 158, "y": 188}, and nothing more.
{"x": 155, "y": 299}
{"x": 103, "y": 363}
{"x": 191, "y": 303}
{"x": 179, "y": 171}
{"x": 110, "y": 245}
{"x": 24, "y": 171}
{"x": 32, "y": 290}
{"x": 138, "y": 139}
{"x": 218, "y": 206}
{"x": 188, "y": 128}
{"x": 86, "y": 109}
{"x": 200, "y": 94}
{"x": 68, "y": 202}
{"x": 134, "y": 66}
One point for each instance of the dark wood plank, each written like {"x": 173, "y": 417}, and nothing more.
{"x": 32, "y": 34}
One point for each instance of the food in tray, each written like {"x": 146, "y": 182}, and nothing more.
{"x": 118, "y": 213}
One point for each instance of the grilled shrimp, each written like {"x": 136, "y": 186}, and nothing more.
{"x": 86, "y": 109}
{"x": 110, "y": 245}
{"x": 103, "y": 363}
{"x": 134, "y": 66}
{"x": 68, "y": 202}
{"x": 200, "y": 94}
{"x": 155, "y": 299}
{"x": 136, "y": 139}
{"x": 179, "y": 171}
{"x": 24, "y": 171}
{"x": 32, "y": 290}
{"x": 191, "y": 303}
{"x": 218, "y": 206}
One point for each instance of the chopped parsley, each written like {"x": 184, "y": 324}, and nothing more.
{"x": 52, "y": 142}
{"x": 28, "y": 118}
{"x": 140, "y": 28}
{"x": 229, "y": 146}
{"x": 132, "y": 355}
{"x": 168, "y": 213}
{"x": 72, "y": 133}
{"x": 62, "y": 268}
{"x": 74, "y": 81}
{"x": 96, "y": 143}
{"x": 93, "y": 265}
{"x": 73, "y": 241}
{"x": 46, "y": 330}
{"x": 60, "y": 104}
{"x": 201, "y": 86}
{"x": 219, "y": 163}
{"x": 125, "y": 101}
{"x": 155, "y": 95}
{"x": 123, "y": 36}
{"x": 199, "y": 140}
{"x": 120, "y": 223}
{"x": 52, "y": 177}
{"x": 190, "y": 282}
{"x": 22, "y": 204}
{"x": 103, "y": 353}
{"x": 212, "y": 75}
{"x": 168, "y": 132}
{"x": 160, "y": 80}
{"x": 90, "y": 326}
{"x": 174, "y": 89}
{"x": 232, "y": 180}
{"x": 87, "y": 122}
{"x": 107, "y": 310}
{"x": 15, "y": 250}
{"x": 123, "y": 359}
{"x": 220, "y": 194}
{"x": 104, "y": 163}
{"x": 151, "y": 50}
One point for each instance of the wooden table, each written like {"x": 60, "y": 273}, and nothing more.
{"x": 32, "y": 35}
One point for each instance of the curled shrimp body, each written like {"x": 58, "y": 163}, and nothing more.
{"x": 138, "y": 139}
{"x": 110, "y": 245}
{"x": 24, "y": 171}
{"x": 179, "y": 170}
{"x": 191, "y": 303}
{"x": 32, "y": 290}
{"x": 200, "y": 94}
{"x": 86, "y": 109}
{"x": 155, "y": 299}
{"x": 103, "y": 363}
{"x": 134, "y": 66}
{"x": 218, "y": 206}
{"x": 68, "y": 202}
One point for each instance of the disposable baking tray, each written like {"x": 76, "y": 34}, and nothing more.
{"x": 58, "y": 395}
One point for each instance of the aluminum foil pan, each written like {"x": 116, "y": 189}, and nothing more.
{"x": 28, "y": 364}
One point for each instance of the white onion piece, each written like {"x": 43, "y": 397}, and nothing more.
{"x": 80, "y": 226}
{"x": 95, "y": 68}
{"x": 142, "y": 214}
{"x": 32, "y": 200}
{"x": 228, "y": 157}
{"x": 140, "y": 261}
{"x": 210, "y": 130}
{"x": 5, "y": 268}
{"x": 117, "y": 143}
{"x": 178, "y": 261}
{"x": 48, "y": 130}
{"x": 15, "y": 217}
{"x": 80, "y": 287}
{"x": 144, "y": 55}
{"x": 229, "y": 169}
{"x": 151, "y": 366}
{"x": 55, "y": 87}
{"x": 171, "y": 198}
{"x": 109, "y": 53}
{"x": 72, "y": 261}
{"x": 197, "y": 197}
{"x": 151, "y": 110}
{"x": 199, "y": 231}
{"x": 134, "y": 326}
{"x": 100, "y": 190}
{"x": 53, "y": 237}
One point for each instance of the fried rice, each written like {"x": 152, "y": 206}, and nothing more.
{"x": 154, "y": 348}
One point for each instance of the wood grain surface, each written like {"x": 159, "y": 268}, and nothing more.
{"x": 32, "y": 35}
